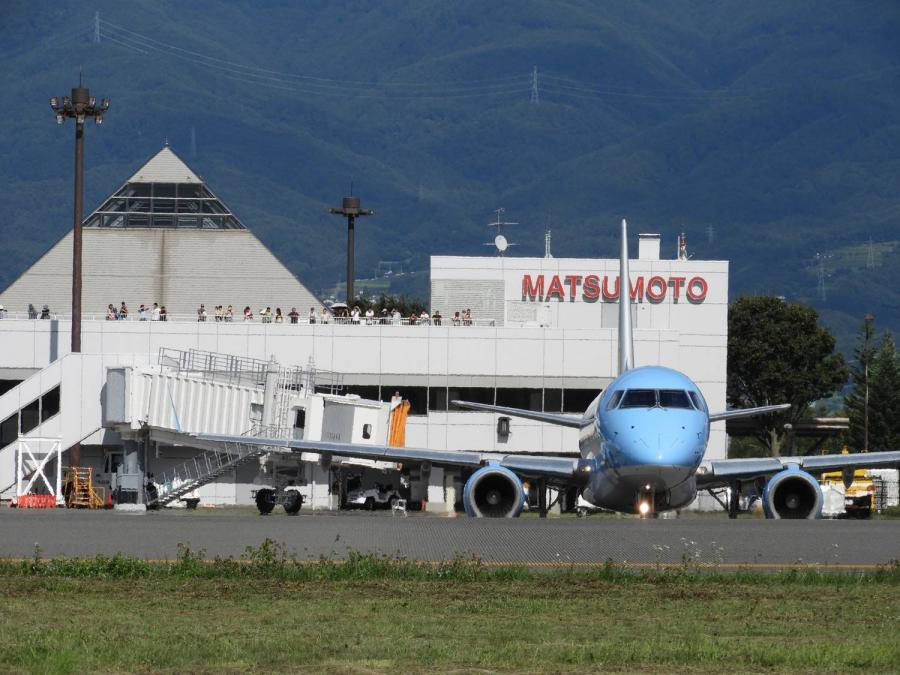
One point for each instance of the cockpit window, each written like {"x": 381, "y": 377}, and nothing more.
{"x": 698, "y": 400}
{"x": 639, "y": 398}
{"x": 614, "y": 399}
{"x": 673, "y": 398}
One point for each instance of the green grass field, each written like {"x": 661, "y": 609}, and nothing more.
{"x": 265, "y": 614}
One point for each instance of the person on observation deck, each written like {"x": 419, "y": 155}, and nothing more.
{"x": 248, "y": 313}
{"x": 294, "y": 315}
{"x": 201, "y": 313}
{"x": 436, "y": 317}
{"x": 123, "y": 311}
{"x": 155, "y": 312}
{"x": 229, "y": 314}
{"x": 279, "y": 317}
{"x": 312, "y": 315}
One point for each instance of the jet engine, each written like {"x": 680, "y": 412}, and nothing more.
{"x": 792, "y": 493}
{"x": 493, "y": 492}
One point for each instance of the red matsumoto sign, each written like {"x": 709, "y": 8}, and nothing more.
{"x": 593, "y": 287}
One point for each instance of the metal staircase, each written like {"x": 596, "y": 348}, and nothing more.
{"x": 202, "y": 469}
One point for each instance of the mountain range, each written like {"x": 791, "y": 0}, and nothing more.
{"x": 768, "y": 132}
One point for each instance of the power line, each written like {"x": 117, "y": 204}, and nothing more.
{"x": 304, "y": 87}
{"x": 255, "y": 71}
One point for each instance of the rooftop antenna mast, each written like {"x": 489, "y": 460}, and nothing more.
{"x": 547, "y": 253}
{"x": 870, "y": 255}
{"x": 535, "y": 93}
{"x": 500, "y": 241}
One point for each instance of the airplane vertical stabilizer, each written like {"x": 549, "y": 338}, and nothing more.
{"x": 626, "y": 342}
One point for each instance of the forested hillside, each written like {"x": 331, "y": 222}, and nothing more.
{"x": 769, "y": 132}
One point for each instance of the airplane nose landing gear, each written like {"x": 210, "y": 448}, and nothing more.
{"x": 646, "y": 503}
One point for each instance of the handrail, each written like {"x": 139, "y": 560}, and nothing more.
{"x": 192, "y": 318}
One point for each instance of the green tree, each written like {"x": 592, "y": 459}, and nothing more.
{"x": 884, "y": 397}
{"x": 778, "y": 353}
{"x": 857, "y": 401}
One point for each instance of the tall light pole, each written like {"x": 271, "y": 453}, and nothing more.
{"x": 867, "y": 356}
{"x": 351, "y": 210}
{"x": 80, "y": 106}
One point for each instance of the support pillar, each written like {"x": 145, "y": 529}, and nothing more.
{"x": 129, "y": 494}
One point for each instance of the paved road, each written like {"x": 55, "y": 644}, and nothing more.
{"x": 590, "y": 540}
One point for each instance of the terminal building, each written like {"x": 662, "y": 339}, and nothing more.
{"x": 542, "y": 335}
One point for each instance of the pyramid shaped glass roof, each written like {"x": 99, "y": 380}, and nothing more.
{"x": 164, "y": 193}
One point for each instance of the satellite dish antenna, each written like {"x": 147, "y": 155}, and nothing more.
{"x": 501, "y": 243}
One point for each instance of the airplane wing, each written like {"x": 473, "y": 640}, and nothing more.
{"x": 747, "y": 412}
{"x": 724, "y": 471}
{"x": 534, "y": 466}
{"x": 559, "y": 419}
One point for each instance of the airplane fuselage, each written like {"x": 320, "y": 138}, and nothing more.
{"x": 646, "y": 434}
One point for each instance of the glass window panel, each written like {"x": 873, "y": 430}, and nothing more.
{"x": 674, "y": 398}
{"x": 50, "y": 404}
{"x": 639, "y": 398}
{"x": 437, "y": 398}
{"x": 213, "y": 206}
{"x": 187, "y": 206}
{"x": 30, "y": 416}
{"x": 6, "y": 385}
{"x": 473, "y": 394}
{"x": 527, "y": 399}
{"x": 9, "y": 430}
{"x": 113, "y": 205}
{"x": 577, "y": 400}
{"x": 164, "y": 189}
{"x": 614, "y": 400}
{"x": 164, "y": 206}
{"x": 138, "y": 220}
{"x": 211, "y": 222}
{"x": 113, "y": 221}
{"x": 231, "y": 223}
{"x": 160, "y": 220}
{"x": 93, "y": 221}
{"x": 188, "y": 221}
{"x": 698, "y": 400}
{"x": 135, "y": 190}
{"x": 141, "y": 205}
{"x": 552, "y": 400}
{"x": 189, "y": 190}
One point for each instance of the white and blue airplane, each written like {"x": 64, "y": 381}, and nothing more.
{"x": 641, "y": 445}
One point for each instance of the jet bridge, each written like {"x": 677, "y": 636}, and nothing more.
{"x": 197, "y": 392}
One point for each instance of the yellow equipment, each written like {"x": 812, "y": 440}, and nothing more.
{"x": 397, "y": 436}
{"x": 79, "y": 490}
